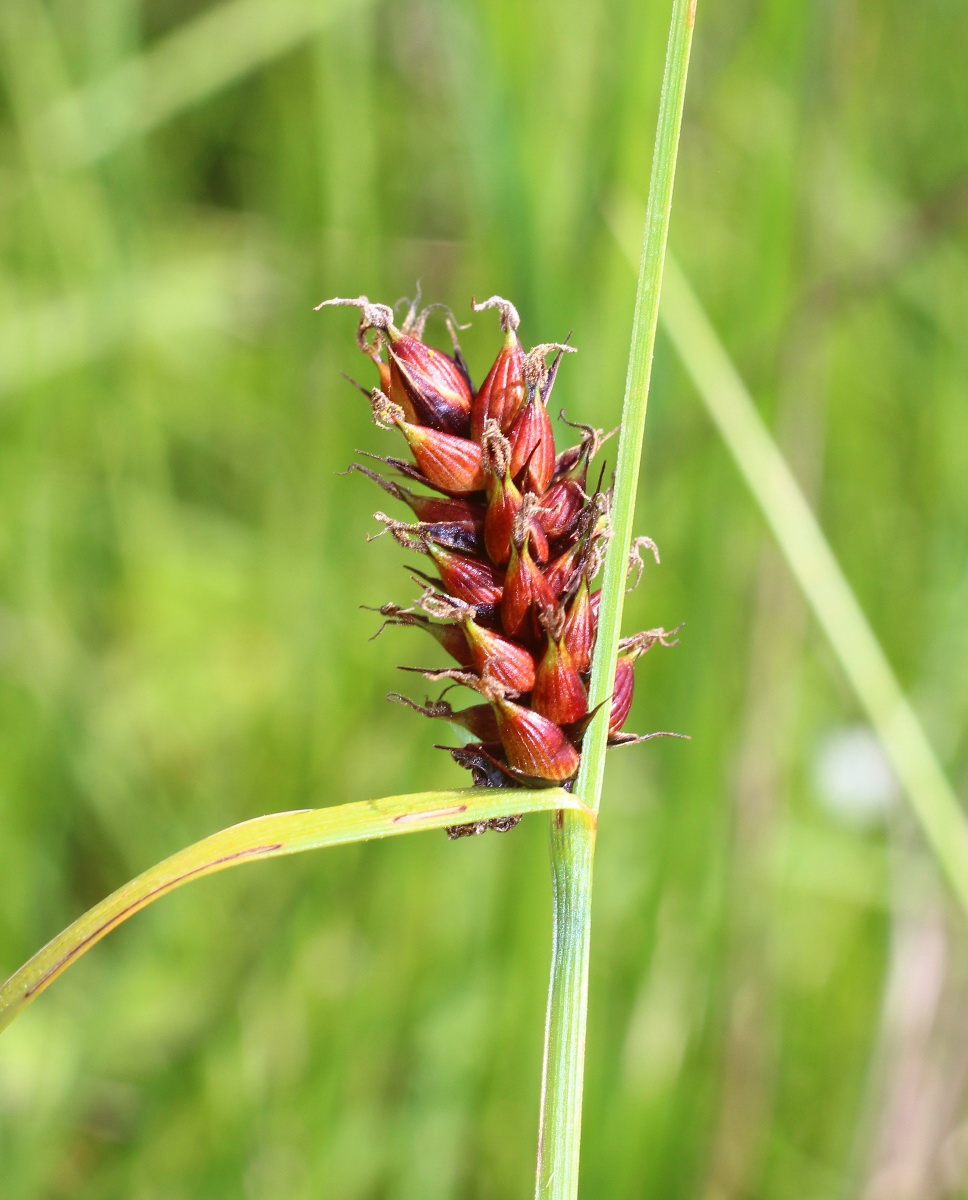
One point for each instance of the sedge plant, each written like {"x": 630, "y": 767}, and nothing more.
{"x": 515, "y": 532}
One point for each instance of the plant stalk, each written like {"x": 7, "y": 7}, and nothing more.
{"x": 572, "y": 840}
{"x": 572, "y": 853}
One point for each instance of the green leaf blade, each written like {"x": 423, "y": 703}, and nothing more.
{"x": 262, "y": 838}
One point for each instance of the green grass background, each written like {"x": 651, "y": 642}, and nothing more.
{"x": 777, "y": 994}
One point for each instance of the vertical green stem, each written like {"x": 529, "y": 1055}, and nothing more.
{"x": 559, "y": 1135}
{"x": 573, "y": 835}
{"x": 636, "y": 400}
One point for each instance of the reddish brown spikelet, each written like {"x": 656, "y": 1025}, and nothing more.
{"x": 532, "y": 447}
{"x": 480, "y": 722}
{"x": 503, "y": 505}
{"x": 537, "y": 538}
{"x": 440, "y": 510}
{"x": 429, "y": 386}
{"x": 561, "y": 571}
{"x": 559, "y": 693}
{"x": 453, "y": 464}
{"x": 561, "y": 506}
{"x": 631, "y": 649}
{"x": 536, "y": 747}
{"x": 434, "y": 510}
{"x": 473, "y": 580}
{"x": 501, "y": 395}
{"x": 526, "y": 594}
{"x": 580, "y": 626}
{"x": 622, "y": 693}
{"x": 516, "y": 541}
{"x": 505, "y": 661}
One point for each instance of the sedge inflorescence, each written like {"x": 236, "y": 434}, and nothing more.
{"x": 514, "y": 535}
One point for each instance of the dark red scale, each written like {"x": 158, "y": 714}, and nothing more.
{"x": 500, "y": 396}
{"x": 580, "y": 627}
{"x": 560, "y": 507}
{"x": 526, "y": 594}
{"x": 428, "y": 386}
{"x": 532, "y": 447}
{"x": 622, "y": 693}
{"x": 503, "y": 506}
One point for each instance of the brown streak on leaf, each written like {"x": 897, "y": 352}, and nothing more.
{"x": 452, "y": 811}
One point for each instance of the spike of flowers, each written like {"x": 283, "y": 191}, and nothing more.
{"x": 514, "y": 536}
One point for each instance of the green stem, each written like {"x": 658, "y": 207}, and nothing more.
{"x": 559, "y": 1135}
{"x": 573, "y": 835}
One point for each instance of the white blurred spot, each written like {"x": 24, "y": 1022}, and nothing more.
{"x": 853, "y": 778}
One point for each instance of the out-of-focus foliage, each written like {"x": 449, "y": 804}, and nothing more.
{"x": 778, "y": 987}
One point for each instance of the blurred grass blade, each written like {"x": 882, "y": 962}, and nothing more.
{"x": 195, "y": 61}
{"x": 175, "y": 299}
{"x": 816, "y": 569}
{"x": 268, "y": 837}
{"x": 820, "y": 577}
